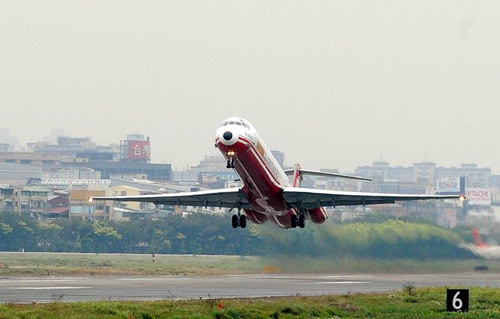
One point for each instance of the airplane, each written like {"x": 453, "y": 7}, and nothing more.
{"x": 267, "y": 193}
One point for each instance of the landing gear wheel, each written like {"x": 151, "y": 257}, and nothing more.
{"x": 293, "y": 221}
{"x": 302, "y": 221}
{"x": 243, "y": 221}
{"x": 230, "y": 163}
{"x": 240, "y": 221}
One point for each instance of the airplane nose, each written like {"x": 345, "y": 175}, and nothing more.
{"x": 227, "y": 135}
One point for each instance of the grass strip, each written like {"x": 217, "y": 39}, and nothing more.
{"x": 64, "y": 264}
{"x": 426, "y": 302}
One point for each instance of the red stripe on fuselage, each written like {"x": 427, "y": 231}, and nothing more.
{"x": 262, "y": 188}
{"x": 262, "y": 161}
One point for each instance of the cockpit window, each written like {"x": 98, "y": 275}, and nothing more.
{"x": 232, "y": 122}
{"x": 238, "y": 123}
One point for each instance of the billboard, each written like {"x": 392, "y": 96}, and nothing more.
{"x": 478, "y": 196}
{"x": 448, "y": 185}
{"x": 138, "y": 150}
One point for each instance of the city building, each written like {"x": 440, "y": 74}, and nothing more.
{"x": 7, "y": 198}
{"x": 123, "y": 190}
{"x": 280, "y": 158}
{"x": 15, "y": 174}
{"x": 135, "y": 149}
{"x": 81, "y": 207}
{"x": 158, "y": 172}
{"x": 46, "y": 161}
{"x": 57, "y": 206}
{"x": 476, "y": 176}
{"x": 28, "y": 200}
{"x": 381, "y": 171}
{"x": 425, "y": 173}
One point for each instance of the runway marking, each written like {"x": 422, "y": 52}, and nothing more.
{"x": 35, "y": 280}
{"x": 344, "y": 282}
{"x": 346, "y": 276}
{"x": 49, "y": 288}
{"x": 153, "y": 279}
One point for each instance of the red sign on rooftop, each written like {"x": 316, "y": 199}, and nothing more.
{"x": 139, "y": 150}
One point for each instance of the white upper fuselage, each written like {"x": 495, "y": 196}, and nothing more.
{"x": 240, "y": 130}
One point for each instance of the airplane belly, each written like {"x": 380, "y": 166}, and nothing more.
{"x": 263, "y": 189}
{"x": 255, "y": 217}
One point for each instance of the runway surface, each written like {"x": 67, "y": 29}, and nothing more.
{"x": 48, "y": 289}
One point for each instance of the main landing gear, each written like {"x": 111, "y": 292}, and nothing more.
{"x": 298, "y": 221}
{"x": 239, "y": 220}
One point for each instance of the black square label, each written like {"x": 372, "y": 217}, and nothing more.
{"x": 457, "y": 300}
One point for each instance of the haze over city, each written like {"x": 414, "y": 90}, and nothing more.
{"x": 330, "y": 85}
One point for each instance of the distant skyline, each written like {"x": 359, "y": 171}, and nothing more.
{"x": 334, "y": 84}
{"x": 53, "y": 139}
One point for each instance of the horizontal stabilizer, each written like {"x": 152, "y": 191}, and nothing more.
{"x": 325, "y": 174}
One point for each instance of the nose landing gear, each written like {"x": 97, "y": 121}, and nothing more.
{"x": 230, "y": 163}
{"x": 230, "y": 159}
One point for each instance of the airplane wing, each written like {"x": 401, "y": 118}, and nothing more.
{"x": 227, "y": 197}
{"x": 312, "y": 198}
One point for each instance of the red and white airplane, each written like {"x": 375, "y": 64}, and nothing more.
{"x": 267, "y": 193}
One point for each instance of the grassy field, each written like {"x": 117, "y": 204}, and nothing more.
{"x": 417, "y": 303}
{"x": 61, "y": 264}
{"x": 37, "y": 264}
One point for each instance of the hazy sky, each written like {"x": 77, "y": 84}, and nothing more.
{"x": 331, "y": 83}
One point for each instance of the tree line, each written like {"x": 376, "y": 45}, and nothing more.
{"x": 213, "y": 234}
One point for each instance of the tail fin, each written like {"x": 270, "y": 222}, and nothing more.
{"x": 297, "y": 176}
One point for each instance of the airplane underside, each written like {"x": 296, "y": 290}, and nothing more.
{"x": 291, "y": 219}
{"x": 263, "y": 191}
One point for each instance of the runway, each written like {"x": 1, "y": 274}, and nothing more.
{"x": 49, "y": 289}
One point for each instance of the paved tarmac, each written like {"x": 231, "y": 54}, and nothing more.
{"x": 48, "y": 289}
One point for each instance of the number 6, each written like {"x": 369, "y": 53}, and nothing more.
{"x": 457, "y": 302}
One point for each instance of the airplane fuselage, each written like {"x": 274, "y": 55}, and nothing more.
{"x": 260, "y": 173}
